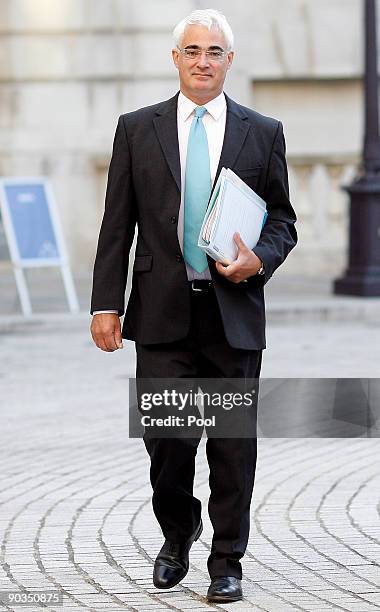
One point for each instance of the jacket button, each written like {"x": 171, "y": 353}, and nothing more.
{"x": 178, "y": 257}
{"x": 173, "y": 219}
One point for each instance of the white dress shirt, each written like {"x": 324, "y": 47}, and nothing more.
{"x": 214, "y": 122}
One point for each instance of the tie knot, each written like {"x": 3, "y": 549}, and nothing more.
{"x": 200, "y": 111}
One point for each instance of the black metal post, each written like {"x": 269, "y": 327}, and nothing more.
{"x": 362, "y": 276}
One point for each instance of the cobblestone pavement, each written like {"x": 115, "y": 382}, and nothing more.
{"x": 75, "y": 511}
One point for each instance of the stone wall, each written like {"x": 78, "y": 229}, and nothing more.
{"x": 69, "y": 68}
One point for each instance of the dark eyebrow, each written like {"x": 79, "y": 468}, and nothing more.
{"x": 212, "y": 48}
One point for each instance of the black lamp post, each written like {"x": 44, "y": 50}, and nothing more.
{"x": 362, "y": 276}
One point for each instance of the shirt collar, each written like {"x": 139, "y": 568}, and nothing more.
{"x": 215, "y": 107}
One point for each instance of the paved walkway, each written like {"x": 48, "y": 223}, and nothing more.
{"x": 75, "y": 511}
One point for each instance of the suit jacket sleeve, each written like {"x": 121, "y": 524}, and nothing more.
{"x": 279, "y": 235}
{"x": 117, "y": 230}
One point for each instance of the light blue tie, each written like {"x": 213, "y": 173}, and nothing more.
{"x": 197, "y": 190}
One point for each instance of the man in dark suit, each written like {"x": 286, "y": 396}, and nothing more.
{"x": 188, "y": 315}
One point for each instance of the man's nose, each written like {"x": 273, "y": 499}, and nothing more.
{"x": 203, "y": 59}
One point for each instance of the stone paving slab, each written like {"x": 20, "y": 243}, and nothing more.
{"x": 75, "y": 511}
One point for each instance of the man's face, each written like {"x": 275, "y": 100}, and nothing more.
{"x": 202, "y": 78}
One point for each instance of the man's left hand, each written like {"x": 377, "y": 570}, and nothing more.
{"x": 247, "y": 263}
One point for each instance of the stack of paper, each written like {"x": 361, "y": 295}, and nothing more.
{"x": 233, "y": 207}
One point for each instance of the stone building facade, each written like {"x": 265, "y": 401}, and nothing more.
{"x": 69, "y": 68}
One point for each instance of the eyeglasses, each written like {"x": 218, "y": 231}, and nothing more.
{"x": 214, "y": 55}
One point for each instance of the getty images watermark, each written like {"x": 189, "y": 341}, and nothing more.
{"x": 241, "y": 408}
{"x": 184, "y": 407}
{"x": 181, "y": 401}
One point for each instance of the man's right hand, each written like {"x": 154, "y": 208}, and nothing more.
{"x": 106, "y": 332}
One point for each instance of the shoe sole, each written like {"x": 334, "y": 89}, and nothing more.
{"x": 198, "y": 535}
{"x": 221, "y": 599}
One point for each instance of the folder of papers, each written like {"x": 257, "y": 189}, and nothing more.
{"x": 233, "y": 207}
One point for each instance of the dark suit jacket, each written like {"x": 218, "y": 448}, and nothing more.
{"x": 144, "y": 189}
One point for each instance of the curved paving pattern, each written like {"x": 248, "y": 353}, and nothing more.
{"x": 75, "y": 511}
{"x": 77, "y": 518}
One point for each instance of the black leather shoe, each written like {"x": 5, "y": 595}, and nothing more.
{"x": 225, "y": 589}
{"x": 172, "y": 562}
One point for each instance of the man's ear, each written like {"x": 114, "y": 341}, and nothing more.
{"x": 230, "y": 58}
{"x": 175, "y": 56}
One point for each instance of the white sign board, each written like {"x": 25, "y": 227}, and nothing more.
{"x": 34, "y": 233}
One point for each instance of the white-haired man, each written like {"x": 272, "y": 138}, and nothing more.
{"x": 188, "y": 316}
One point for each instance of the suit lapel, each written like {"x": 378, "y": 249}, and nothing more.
{"x": 236, "y": 131}
{"x": 165, "y": 124}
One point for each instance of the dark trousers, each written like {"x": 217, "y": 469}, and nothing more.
{"x": 232, "y": 461}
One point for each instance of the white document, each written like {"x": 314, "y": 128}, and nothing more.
{"x": 234, "y": 207}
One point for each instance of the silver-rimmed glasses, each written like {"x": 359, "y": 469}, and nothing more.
{"x": 213, "y": 55}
